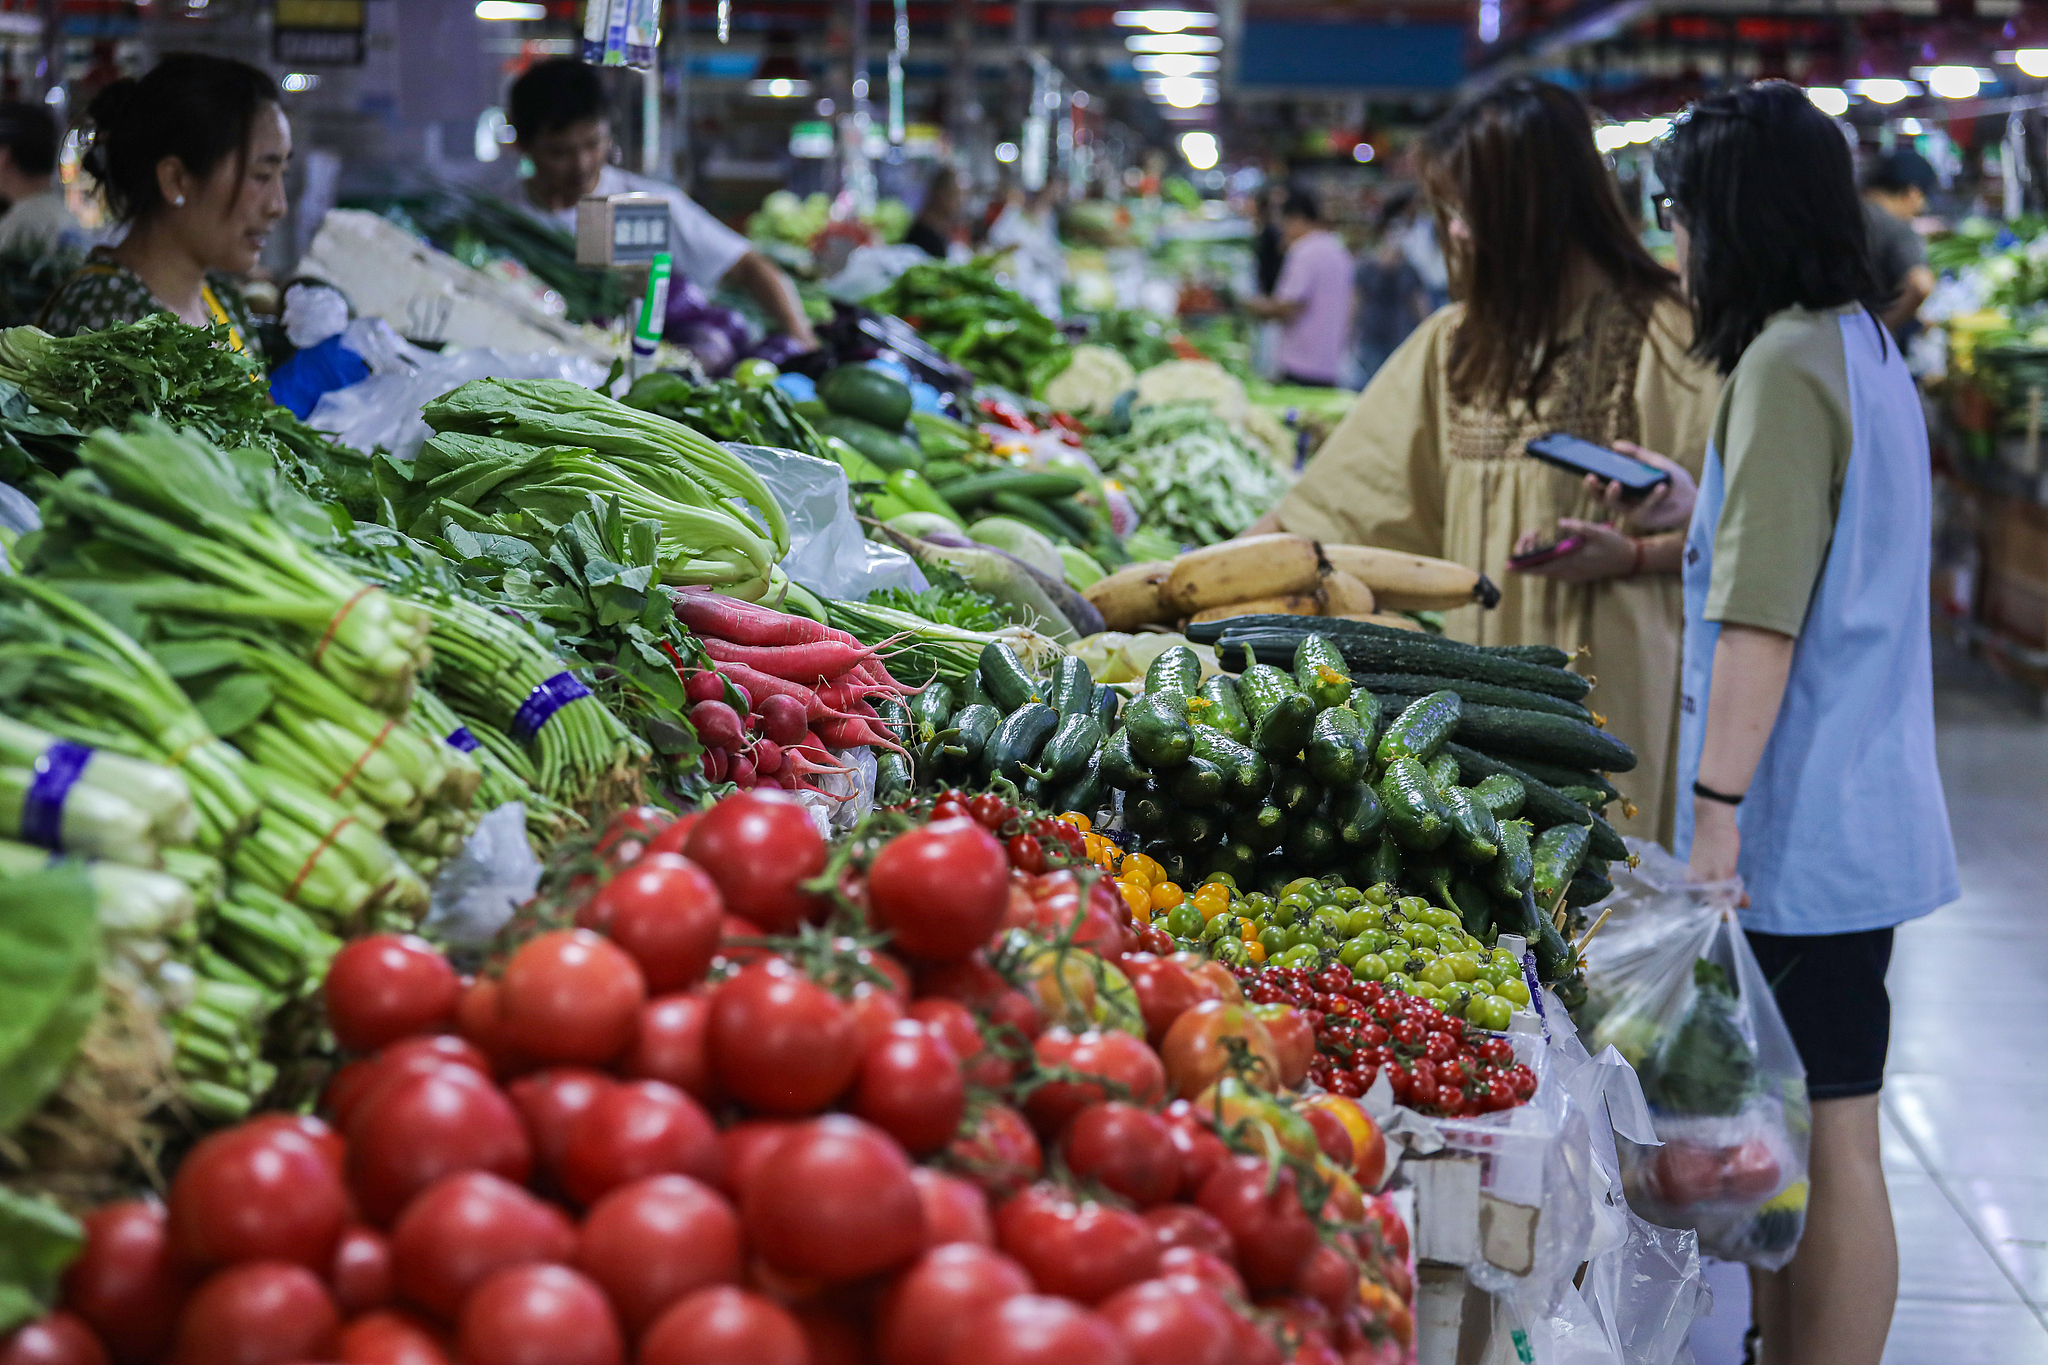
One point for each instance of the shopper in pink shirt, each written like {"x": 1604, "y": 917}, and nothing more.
{"x": 1313, "y": 297}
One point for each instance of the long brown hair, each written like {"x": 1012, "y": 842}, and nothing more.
{"x": 1518, "y": 166}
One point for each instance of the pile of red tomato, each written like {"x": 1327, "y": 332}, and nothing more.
{"x": 699, "y": 1129}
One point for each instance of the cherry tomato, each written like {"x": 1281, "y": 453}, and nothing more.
{"x": 1172, "y": 1322}
{"x": 672, "y": 1044}
{"x": 760, "y": 847}
{"x": 625, "y": 837}
{"x": 478, "y": 1021}
{"x": 1195, "y": 1054}
{"x": 834, "y": 1201}
{"x": 779, "y": 1042}
{"x": 1184, "y": 1225}
{"x": 257, "y": 1194}
{"x": 416, "y": 1129}
{"x": 1026, "y": 853}
{"x": 1294, "y": 1040}
{"x": 875, "y": 1010}
{"x": 656, "y": 1240}
{"x": 924, "y": 1310}
{"x": 743, "y": 1147}
{"x": 1128, "y": 1149}
{"x": 358, "y": 1081}
{"x": 571, "y": 996}
{"x": 58, "y": 1339}
{"x": 939, "y": 890}
{"x": 911, "y": 1088}
{"x": 955, "y": 1023}
{"x": 1252, "y": 1344}
{"x": 1195, "y": 1142}
{"x": 997, "y": 1150}
{"x": 954, "y": 1209}
{"x": 1209, "y": 1267}
{"x": 665, "y": 911}
{"x": 386, "y": 987}
{"x": 463, "y": 1228}
{"x": 388, "y": 1338}
{"x": 1164, "y": 988}
{"x": 950, "y": 810}
{"x": 1083, "y": 1251}
{"x": 126, "y": 1284}
{"x": 539, "y": 1315}
{"x": 258, "y": 1313}
{"x": 1261, "y": 1209}
{"x": 990, "y": 811}
{"x": 1036, "y": 1329}
{"x": 724, "y": 1326}
{"x": 1328, "y": 1277}
{"x": 361, "y": 1273}
{"x": 1331, "y": 1135}
{"x": 637, "y": 1129}
{"x": 1125, "y": 1066}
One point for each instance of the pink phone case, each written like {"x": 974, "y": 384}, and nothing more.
{"x": 1545, "y": 553}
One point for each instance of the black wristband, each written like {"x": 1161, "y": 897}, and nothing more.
{"x": 1710, "y": 794}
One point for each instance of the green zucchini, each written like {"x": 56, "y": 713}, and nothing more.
{"x": 1295, "y": 793}
{"x": 1018, "y": 740}
{"x": 1557, "y": 853}
{"x": 1442, "y": 770}
{"x": 1502, "y": 793}
{"x": 1369, "y": 648}
{"x": 931, "y": 708}
{"x": 1415, "y": 812}
{"x": 1247, "y": 776}
{"x": 1547, "y": 738}
{"x": 973, "y": 726}
{"x": 1119, "y": 769}
{"x": 1358, "y": 814}
{"x": 1372, "y": 715}
{"x": 1197, "y": 783}
{"x": 1311, "y": 843}
{"x": 979, "y": 488}
{"x": 1587, "y": 887}
{"x": 892, "y": 778}
{"x": 1069, "y": 749}
{"x": 1175, "y": 669}
{"x": 1336, "y": 752}
{"x": 1320, "y": 672}
{"x": 1224, "y": 711}
{"x": 1474, "y": 692}
{"x": 1422, "y": 729}
{"x": 1516, "y": 864}
{"x": 1475, "y": 833}
{"x": 1004, "y": 679}
{"x": 1263, "y": 827}
{"x": 1158, "y": 726}
{"x": 1073, "y": 689}
{"x": 1385, "y": 866}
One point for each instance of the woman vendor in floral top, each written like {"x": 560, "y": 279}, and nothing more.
{"x": 191, "y": 157}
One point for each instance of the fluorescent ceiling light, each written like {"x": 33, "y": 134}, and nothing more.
{"x": 1006, "y": 152}
{"x": 1954, "y": 82}
{"x": 1200, "y": 149}
{"x": 1183, "y": 92}
{"x": 1174, "y": 42}
{"x": 1829, "y": 99}
{"x": 1177, "y": 64}
{"x": 2032, "y": 61}
{"x": 298, "y": 82}
{"x": 1884, "y": 89}
{"x": 526, "y": 10}
{"x": 1163, "y": 20}
{"x": 779, "y": 88}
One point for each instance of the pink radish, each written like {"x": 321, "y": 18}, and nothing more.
{"x": 797, "y": 663}
{"x": 760, "y": 686}
{"x": 704, "y": 686}
{"x": 709, "y": 613}
{"x": 853, "y": 732}
{"x": 716, "y": 764}
{"x": 767, "y": 755}
{"x": 783, "y": 719}
{"x": 718, "y": 724}
{"x": 742, "y": 772}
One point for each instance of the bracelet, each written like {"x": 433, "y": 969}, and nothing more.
{"x": 1635, "y": 568}
{"x": 1701, "y": 790}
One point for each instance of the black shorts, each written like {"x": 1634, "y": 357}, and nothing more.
{"x": 1830, "y": 988}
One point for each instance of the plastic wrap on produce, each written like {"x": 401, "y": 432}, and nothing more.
{"x": 17, "y": 515}
{"x": 495, "y": 874}
{"x": 384, "y": 410}
{"x": 849, "y": 795}
{"x": 871, "y": 269}
{"x": 827, "y": 552}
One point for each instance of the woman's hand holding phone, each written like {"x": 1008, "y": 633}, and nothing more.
{"x": 1665, "y": 507}
{"x": 1603, "y": 552}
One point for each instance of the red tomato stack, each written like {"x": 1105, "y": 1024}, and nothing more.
{"x": 962, "y": 1124}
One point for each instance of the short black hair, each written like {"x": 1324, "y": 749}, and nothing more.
{"x": 192, "y": 106}
{"x": 555, "y": 95}
{"x": 1301, "y": 204}
{"x": 1763, "y": 182}
{"x": 29, "y": 133}
{"x": 1898, "y": 171}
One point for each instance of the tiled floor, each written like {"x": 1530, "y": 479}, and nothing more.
{"x": 1966, "y": 1097}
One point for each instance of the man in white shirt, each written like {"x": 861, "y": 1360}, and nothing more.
{"x": 558, "y": 112}
{"x": 37, "y": 218}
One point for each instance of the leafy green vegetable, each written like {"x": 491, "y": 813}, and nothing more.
{"x": 37, "y": 1241}
{"x": 1705, "y": 1065}
{"x": 49, "y": 977}
{"x": 1191, "y": 475}
{"x": 979, "y": 323}
{"x": 948, "y": 602}
{"x": 726, "y": 410}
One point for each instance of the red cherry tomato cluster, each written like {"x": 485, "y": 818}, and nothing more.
{"x": 1436, "y": 1064}
{"x": 676, "y": 1134}
{"x": 1034, "y": 843}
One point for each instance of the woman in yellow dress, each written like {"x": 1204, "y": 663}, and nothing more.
{"x": 1564, "y": 322}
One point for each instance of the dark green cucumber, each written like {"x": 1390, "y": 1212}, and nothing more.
{"x": 1200, "y": 828}
{"x": 1197, "y": 783}
{"x": 1158, "y": 726}
{"x": 1263, "y": 827}
{"x": 1550, "y": 656}
{"x": 1248, "y": 777}
{"x": 1605, "y": 843}
{"x": 973, "y": 725}
{"x": 1559, "y": 775}
{"x": 971, "y": 691}
{"x": 1107, "y": 703}
{"x": 1592, "y": 798}
{"x": 892, "y": 778}
{"x": 1386, "y": 865}
{"x": 1516, "y": 864}
{"x": 1553, "y": 954}
{"x": 1295, "y": 793}
{"x": 1069, "y": 749}
{"x": 1281, "y": 716}
{"x": 1234, "y": 857}
{"x": 1336, "y": 754}
{"x": 1372, "y": 715}
{"x": 1084, "y": 794}
{"x": 1368, "y": 648}
{"x": 977, "y": 488}
{"x": 1018, "y": 740}
{"x": 1179, "y": 867}
{"x": 1474, "y": 832}
{"x": 896, "y": 718}
{"x": 1474, "y": 692}
{"x": 1423, "y": 728}
{"x": 1442, "y": 770}
{"x": 1176, "y": 669}
{"x": 1587, "y": 887}
{"x": 1119, "y": 769}
{"x": 1311, "y": 843}
{"x": 1224, "y": 711}
{"x": 932, "y": 708}
{"x": 1415, "y": 812}
{"x": 1502, "y": 793}
{"x": 1474, "y": 907}
{"x": 1147, "y": 811}
{"x": 1542, "y": 804}
{"x": 1558, "y": 852}
{"x": 1358, "y": 814}
{"x": 1004, "y": 679}
{"x": 1321, "y": 673}
{"x": 1073, "y": 689}
{"x": 1544, "y": 737}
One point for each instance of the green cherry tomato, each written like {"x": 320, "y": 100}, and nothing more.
{"x": 1184, "y": 921}
{"x": 1375, "y": 940}
{"x": 1422, "y": 990}
{"x": 1257, "y": 903}
{"x": 1381, "y": 894}
{"x": 1370, "y": 967}
{"x": 1515, "y": 990}
{"x": 1300, "y": 885}
{"x": 1220, "y": 879}
{"x": 1274, "y": 940}
{"x": 1229, "y": 950}
{"x": 1439, "y": 973}
{"x": 754, "y": 373}
{"x": 1333, "y": 920}
{"x": 1411, "y": 907}
{"x": 1422, "y": 936}
{"x": 1456, "y": 997}
{"x": 1491, "y": 1012}
{"x": 1507, "y": 962}
{"x": 1465, "y": 965}
{"x": 1399, "y": 981}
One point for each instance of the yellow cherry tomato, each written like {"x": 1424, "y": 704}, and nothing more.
{"x": 1138, "y": 899}
{"x": 1078, "y": 820}
{"x": 1166, "y": 895}
{"x": 1255, "y": 950}
{"x": 1133, "y": 870}
{"x": 1212, "y": 900}
{"x": 1248, "y": 931}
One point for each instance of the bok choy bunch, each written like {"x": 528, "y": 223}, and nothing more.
{"x": 72, "y": 798}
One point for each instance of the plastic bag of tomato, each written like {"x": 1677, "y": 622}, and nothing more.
{"x": 753, "y": 1098}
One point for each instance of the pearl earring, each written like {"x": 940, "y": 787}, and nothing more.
{"x": 179, "y": 202}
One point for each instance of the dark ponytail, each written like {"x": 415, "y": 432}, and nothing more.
{"x": 196, "y": 108}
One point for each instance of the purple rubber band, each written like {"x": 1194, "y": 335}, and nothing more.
{"x": 461, "y": 738}
{"x": 542, "y": 703}
{"x": 42, "y": 806}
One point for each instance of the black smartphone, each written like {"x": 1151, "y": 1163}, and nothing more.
{"x": 1583, "y": 457}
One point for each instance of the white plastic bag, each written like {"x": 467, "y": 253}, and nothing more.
{"x": 1673, "y": 985}
{"x": 481, "y": 887}
{"x": 384, "y": 410}
{"x": 827, "y": 552}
